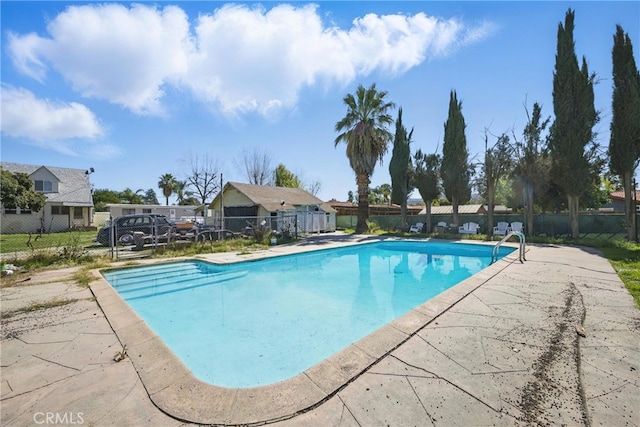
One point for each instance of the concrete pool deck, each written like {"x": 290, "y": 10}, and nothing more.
{"x": 501, "y": 348}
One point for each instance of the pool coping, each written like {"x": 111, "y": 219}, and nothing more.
{"x": 177, "y": 392}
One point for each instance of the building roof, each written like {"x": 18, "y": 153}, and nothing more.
{"x": 74, "y": 188}
{"x": 271, "y": 197}
{"x": 466, "y": 209}
{"x": 619, "y": 195}
{"x": 351, "y": 208}
{"x": 448, "y": 209}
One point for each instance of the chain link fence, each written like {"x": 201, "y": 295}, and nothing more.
{"x": 136, "y": 235}
{"x": 551, "y": 225}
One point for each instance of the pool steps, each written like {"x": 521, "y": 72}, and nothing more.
{"x": 170, "y": 280}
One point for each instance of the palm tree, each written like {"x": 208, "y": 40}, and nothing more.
{"x": 185, "y": 197}
{"x": 364, "y": 130}
{"x": 167, "y": 184}
{"x": 131, "y": 197}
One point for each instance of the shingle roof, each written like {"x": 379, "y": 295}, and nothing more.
{"x": 462, "y": 209}
{"x": 619, "y": 195}
{"x": 74, "y": 188}
{"x": 271, "y": 197}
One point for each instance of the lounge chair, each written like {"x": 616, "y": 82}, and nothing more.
{"x": 416, "y": 228}
{"x": 517, "y": 226}
{"x": 441, "y": 227}
{"x": 469, "y": 228}
{"x": 501, "y": 228}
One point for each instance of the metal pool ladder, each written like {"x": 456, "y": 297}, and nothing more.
{"x": 496, "y": 248}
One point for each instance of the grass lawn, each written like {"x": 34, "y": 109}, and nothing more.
{"x": 10, "y": 243}
{"x": 625, "y": 259}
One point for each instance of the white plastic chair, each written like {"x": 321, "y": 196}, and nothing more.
{"x": 469, "y": 228}
{"x": 416, "y": 228}
{"x": 517, "y": 226}
{"x": 501, "y": 228}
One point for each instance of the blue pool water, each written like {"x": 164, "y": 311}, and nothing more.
{"x": 257, "y": 323}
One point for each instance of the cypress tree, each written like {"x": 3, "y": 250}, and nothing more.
{"x": 426, "y": 179}
{"x": 455, "y": 170}
{"x": 400, "y": 168}
{"x": 532, "y": 162}
{"x": 497, "y": 164}
{"x": 624, "y": 145}
{"x": 575, "y": 117}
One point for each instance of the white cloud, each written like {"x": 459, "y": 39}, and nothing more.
{"x": 239, "y": 59}
{"x": 252, "y": 59}
{"x": 24, "y": 52}
{"x": 23, "y": 115}
{"x": 48, "y": 124}
{"x": 112, "y": 52}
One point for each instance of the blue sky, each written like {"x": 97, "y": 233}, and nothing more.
{"x": 137, "y": 90}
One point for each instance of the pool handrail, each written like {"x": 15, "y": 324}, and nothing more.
{"x": 521, "y": 249}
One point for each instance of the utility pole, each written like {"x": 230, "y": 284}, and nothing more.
{"x": 221, "y": 236}
{"x": 635, "y": 209}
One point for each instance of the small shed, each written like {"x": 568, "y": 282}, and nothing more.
{"x": 172, "y": 212}
{"x": 238, "y": 200}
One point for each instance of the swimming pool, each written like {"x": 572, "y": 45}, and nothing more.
{"x": 256, "y": 323}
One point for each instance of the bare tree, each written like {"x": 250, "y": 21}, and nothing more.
{"x": 313, "y": 187}
{"x": 257, "y": 166}
{"x": 532, "y": 163}
{"x": 204, "y": 178}
{"x": 497, "y": 164}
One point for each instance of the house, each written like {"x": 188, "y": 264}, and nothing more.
{"x": 462, "y": 209}
{"x": 69, "y": 202}
{"x": 172, "y": 212}
{"x": 350, "y": 208}
{"x": 617, "y": 202}
{"x": 283, "y": 206}
{"x": 466, "y": 209}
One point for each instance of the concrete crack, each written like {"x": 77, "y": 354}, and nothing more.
{"x": 433, "y": 421}
{"x": 610, "y": 391}
{"x": 436, "y": 349}
{"x": 56, "y": 363}
{"x": 35, "y": 389}
{"x": 443, "y": 379}
{"x": 346, "y": 407}
{"x": 116, "y": 404}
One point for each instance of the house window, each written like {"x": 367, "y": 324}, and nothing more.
{"x": 128, "y": 211}
{"x": 25, "y": 211}
{"x": 146, "y": 210}
{"x": 77, "y": 213}
{"x": 10, "y": 211}
{"x": 59, "y": 210}
{"x": 43, "y": 186}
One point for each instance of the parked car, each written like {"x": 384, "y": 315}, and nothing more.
{"x": 126, "y": 225}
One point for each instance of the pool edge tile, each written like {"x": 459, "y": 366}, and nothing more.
{"x": 196, "y": 402}
{"x": 382, "y": 341}
{"x": 334, "y": 372}
{"x": 274, "y": 402}
{"x": 411, "y": 322}
{"x": 157, "y": 366}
